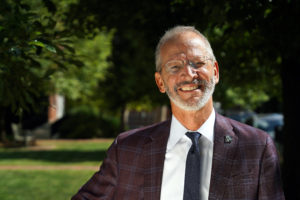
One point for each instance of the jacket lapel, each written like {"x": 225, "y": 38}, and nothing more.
{"x": 225, "y": 147}
{"x": 154, "y": 151}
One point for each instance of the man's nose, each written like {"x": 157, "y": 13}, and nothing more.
{"x": 189, "y": 70}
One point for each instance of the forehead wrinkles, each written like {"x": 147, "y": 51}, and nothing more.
{"x": 187, "y": 49}
{"x": 195, "y": 47}
{"x": 194, "y": 42}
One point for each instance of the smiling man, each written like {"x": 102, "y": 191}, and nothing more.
{"x": 198, "y": 154}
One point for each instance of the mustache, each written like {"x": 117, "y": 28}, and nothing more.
{"x": 195, "y": 81}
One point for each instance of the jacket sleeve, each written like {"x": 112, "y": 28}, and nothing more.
{"x": 270, "y": 186}
{"x": 102, "y": 185}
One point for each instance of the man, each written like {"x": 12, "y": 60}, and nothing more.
{"x": 198, "y": 154}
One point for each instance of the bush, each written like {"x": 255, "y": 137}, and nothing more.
{"x": 85, "y": 125}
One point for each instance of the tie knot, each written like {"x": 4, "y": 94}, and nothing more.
{"x": 194, "y": 136}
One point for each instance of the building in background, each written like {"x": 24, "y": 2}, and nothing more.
{"x": 56, "y": 108}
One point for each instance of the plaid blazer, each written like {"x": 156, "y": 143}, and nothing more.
{"x": 245, "y": 165}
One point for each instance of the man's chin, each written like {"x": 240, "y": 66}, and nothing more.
{"x": 192, "y": 103}
{"x": 188, "y": 106}
{"x": 190, "y": 97}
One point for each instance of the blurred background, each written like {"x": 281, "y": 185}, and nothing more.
{"x": 76, "y": 73}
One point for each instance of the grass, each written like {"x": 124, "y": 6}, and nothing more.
{"x": 41, "y": 185}
{"x": 62, "y": 152}
{"x": 57, "y": 183}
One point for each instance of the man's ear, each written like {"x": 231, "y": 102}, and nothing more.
{"x": 159, "y": 82}
{"x": 216, "y": 71}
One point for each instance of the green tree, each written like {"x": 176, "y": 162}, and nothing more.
{"x": 29, "y": 39}
{"x": 80, "y": 85}
{"x": 86, "y": 108}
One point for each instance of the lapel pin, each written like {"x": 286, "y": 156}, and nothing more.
{"x": 227, "y": 139}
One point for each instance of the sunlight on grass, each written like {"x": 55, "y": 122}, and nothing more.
{"x": 45, "y": 185}
{"x": 50, "y": 165}
{"x": 57, "y": 152}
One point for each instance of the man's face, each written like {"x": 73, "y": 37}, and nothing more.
{"x": 188, "y": 74}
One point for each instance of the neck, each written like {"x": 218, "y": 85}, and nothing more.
{"x": 192, "y": 120}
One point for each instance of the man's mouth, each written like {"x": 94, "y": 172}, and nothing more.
{"x": 189, "y": 88}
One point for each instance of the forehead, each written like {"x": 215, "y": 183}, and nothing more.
{"x": 186, "y": 44}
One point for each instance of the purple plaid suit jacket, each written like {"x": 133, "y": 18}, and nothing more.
{"x": 245, "y": 167}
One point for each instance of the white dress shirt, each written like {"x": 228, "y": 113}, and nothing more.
{"x": 175, "y": 159}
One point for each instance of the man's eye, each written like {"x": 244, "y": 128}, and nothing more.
{"x": 200, "y": 64}
{"x": 175, "y": 67}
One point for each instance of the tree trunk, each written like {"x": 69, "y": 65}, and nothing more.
{"x": 122, "y": 122}
{"x": 2, "y": 125}
{"x": 291, "y": 109}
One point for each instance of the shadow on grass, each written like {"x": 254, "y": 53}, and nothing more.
{"x": 64, "y": 156}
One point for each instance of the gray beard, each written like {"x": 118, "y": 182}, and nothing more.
{"x": 209, "y": 88}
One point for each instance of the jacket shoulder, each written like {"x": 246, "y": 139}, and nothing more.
{"x": 148, "y": 132}
{"x": 245, "y": 131}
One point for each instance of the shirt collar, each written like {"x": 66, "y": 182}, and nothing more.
{"x": 177, "y": 130}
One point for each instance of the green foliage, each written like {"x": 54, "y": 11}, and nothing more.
{"x": 248, "y": 98}
{"x": 249, "y": 67}
{"x": 128, "y": 79}
{"x": 80, "y": 84}
{"x": 27, "y": 39}
{"x": 38, "y": 58}
{"x": 86, "y": 125}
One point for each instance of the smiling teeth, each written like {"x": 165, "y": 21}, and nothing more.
{"x": 189, "y": 88}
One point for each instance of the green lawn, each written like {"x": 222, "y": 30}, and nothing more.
{"x": 57, "y": 183}
{"x": 62, "y": 152}
{"x": 41, "y": 185}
